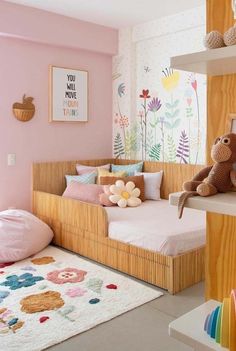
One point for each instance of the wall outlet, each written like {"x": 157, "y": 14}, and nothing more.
{"x": 11, "y": 159}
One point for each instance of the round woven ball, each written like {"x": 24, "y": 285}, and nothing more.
{"x": 230, "y": 36}
{"x": 214, "y": 40}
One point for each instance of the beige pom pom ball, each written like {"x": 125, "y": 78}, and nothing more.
{"x": 230, "y": 36}
{"x": 214, "y": 40}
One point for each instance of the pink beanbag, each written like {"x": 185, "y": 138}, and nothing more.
{"x": 21, "y": 235}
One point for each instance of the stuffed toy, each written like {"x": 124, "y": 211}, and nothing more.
{"x": 219, "y": 178}
{"x": 125, "y": 194}
{"x": 230, "y": 36}
{"x": 215, "y": 39}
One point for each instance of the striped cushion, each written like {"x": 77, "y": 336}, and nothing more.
{"x": 128, "y": 169}
{"x": 87, "y": 178}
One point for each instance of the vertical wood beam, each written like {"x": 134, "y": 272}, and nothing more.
{"x": 221, "y": 230}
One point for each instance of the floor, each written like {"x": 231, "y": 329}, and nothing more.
{"x": 142, "y": 329}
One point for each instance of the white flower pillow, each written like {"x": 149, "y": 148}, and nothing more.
{"x": 125, "y": 194}
{"x": 152, "y": 184}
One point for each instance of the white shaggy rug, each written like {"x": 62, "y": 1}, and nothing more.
{"x": 55, "y": 295}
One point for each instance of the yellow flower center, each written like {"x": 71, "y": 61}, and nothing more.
{"x": 125, "y": 195}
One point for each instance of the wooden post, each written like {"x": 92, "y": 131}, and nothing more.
{"x": 221, "y": 229}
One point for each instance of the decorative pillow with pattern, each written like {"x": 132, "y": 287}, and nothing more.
{"x": 128, "y": 169}
{"x": 87, "y": 178}
{"x": 82, "y": 169}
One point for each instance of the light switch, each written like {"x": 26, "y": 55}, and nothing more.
{"x": 11, "y": 159}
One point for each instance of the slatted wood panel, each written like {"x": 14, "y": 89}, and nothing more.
{"x": 221, "y": 248}
{"x": 50, "y": 176}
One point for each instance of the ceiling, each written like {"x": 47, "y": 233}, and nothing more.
{"x": 113, "y": 13}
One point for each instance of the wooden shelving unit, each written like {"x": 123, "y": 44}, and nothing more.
{"x": 220, "y": 203}
{"x": 214, "y": 62}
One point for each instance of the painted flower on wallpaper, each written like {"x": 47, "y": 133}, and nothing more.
{"x": 143, "y": 122}
{"x": 154, "y": 105}
{"x": 118, "y": 147}
{"x": 145, "y": 94}
{"x": 171, "y": 79}
{"x": 121, "y": 89}
{"x": 183, "y": 148}
{"x": 189, "y": 115}
{"x": 124, "y": 121}
{"x": 25, "y": 280}
{"x": 194, "y": 85}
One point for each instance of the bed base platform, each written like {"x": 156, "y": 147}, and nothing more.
{"x": 83, "y": 228}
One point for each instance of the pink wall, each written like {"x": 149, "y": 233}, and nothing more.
{"x": 24, "y": 69}
{"x": 48, "y": 28}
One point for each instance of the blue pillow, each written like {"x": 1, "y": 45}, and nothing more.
{"x": 87, "y": 178}
{"x": 128, "y": 169}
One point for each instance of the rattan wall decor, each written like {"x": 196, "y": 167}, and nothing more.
{"x": 25, "y": 110}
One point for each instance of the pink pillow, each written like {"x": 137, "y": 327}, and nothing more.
{"x": 104, "y": 197}
{"x": 21, "y": 235}
{"x": 84, "y": 192}
{"x": 81, "y": 169}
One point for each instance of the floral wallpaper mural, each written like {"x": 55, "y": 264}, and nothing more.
{"x": 166, "y": 120}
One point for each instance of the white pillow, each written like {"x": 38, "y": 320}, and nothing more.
{"x": 152, "y": 184}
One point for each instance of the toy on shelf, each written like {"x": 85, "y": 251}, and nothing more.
{"x": 219, "y": 178}
{"x": 220, "y": 324}
{"x": 215, "y": 39}
{"x": 230, "y": 36}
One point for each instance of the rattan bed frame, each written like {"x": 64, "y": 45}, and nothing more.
{"x": 83, "y": 228}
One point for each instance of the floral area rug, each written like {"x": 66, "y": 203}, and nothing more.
{"x": 55, "y": 295}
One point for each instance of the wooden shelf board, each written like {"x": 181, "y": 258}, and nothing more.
{"x": 214, "y": 62}
{"x": 189, "y": 329}
{"x": 220, "y": 203}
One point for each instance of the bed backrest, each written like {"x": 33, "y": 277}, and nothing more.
{"x": 174, "y": 174}
{"x": 50, "y": 177}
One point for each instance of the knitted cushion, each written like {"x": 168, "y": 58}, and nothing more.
{"x": 230, "y": 36}
{"x": 214, "y": 40}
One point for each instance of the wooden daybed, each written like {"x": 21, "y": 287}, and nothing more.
{"x": 83, "y": 228}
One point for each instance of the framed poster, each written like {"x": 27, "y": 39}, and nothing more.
{"x": 68, "y": 95}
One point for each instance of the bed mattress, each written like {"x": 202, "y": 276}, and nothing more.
{"x": 155, "y": 226}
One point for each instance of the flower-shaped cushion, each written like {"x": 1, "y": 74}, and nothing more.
{"x": 125, "y": 194}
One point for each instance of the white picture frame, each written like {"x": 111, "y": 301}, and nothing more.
{"x": 68, "y": 98}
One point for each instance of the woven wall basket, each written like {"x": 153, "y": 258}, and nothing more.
{"x": 24, "y": 111}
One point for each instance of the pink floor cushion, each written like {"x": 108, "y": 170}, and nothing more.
{"x": 21, "y": 235}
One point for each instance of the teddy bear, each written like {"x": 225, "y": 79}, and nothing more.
{"x": 219, "y": 178}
